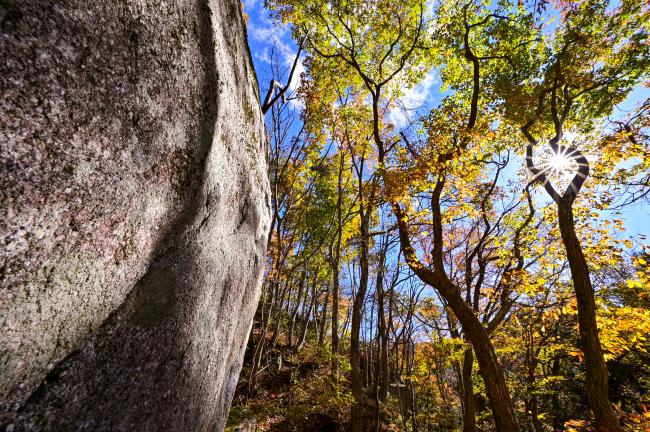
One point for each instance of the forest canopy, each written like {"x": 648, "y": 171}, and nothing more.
{"x": 459, "y": 266}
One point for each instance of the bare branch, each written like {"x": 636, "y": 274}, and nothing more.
{"x": 268, "y": 102}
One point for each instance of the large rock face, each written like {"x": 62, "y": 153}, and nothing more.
{"x": 134, "y": 212}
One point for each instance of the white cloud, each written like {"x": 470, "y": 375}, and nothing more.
{"x": 270, "y": 37}
{"x": 250, "y": 5}
{"x": 414, "y": 98}
{"x": 300, "y": 68}
{"x": 263, "y": 55}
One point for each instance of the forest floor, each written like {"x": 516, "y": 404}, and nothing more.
{"x": 296, "y": 392}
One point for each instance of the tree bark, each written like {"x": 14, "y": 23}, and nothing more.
{"x": 597, "y": 386}
{"x": 558, "y": 417}
{"x": 382, "y": 331}
{"x": 323, "y": 318}
{"x": 303, "y": 334}
{"x": 357, "y": 315}
{"x": 531, "y": 401}
{"x": 335, "y": 259}
{"x": 294, "y": 313}
{"x": 469, "y": 410}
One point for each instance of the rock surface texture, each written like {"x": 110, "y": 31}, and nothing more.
{"x": 134, "y": 213}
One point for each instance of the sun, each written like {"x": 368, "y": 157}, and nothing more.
{"x": 559, "y": 163}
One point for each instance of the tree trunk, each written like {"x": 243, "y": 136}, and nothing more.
{"x": 469, "y": 410}
{"x": 335, "y": 263}
{"x": 531, "y": 401}
{"x": 597, "y": 387}
{"x": 556, "y": 409}
{"x": 495, "y": 383}
{"x": 278, "y": 308}
{"x": 323, "y": 319}
{"x": 261, "y": 341}
{"x": 411, "y": 387}
{"x": 335, "y": 319}
{"x": 303, "y": 334}
{"x": 369, "y": 349}
{"x": 382, "y": 331}
{"x": 294, "y": 312}
{"x": 357, "y": 316}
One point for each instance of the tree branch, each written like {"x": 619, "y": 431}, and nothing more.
{"x": 268, "y": 102}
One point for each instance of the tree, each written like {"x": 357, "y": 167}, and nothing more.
{"x": 374, "y": 42}
{"x": 483, "y": 273}
{"x": 591, "y": 64}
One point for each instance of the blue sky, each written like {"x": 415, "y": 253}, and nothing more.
{"x": 267, "y": 37}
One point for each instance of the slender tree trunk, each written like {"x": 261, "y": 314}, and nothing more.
{"x": 387, "y": 329}
{"x": 375, "y": 393}
{"x": 303, "y": 335}
{"x": 382, "y": 373}
{"x": 314, "y": 317}
{"x": 259, "y": 346}
{"x": 357, "y": 316}
{"x": 365, "y": 211}
{"x": 409, "y": 379}
{"x": 414, "y": 407}
{"x": 335, "y": 319}
{"x": 369, "y": 348}
{"x": 323, "y": 319}
{"x": 458, "y": 370}
{"x": 346, "y": 322}
{"x": 383, "y": 357}
{"x": 469, "y": 410}
{"x": 381, "y": 381}
{"x": 596, "y": 370}
{"x": 294, "y": 312}
{"x": 558, "y": 417}
{"x": 335, "y": 264}
{"x": 531, "y": 401}
{"x": 279, "y": 307}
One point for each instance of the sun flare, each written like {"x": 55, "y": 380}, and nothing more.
{"x": 559, "y": 162}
